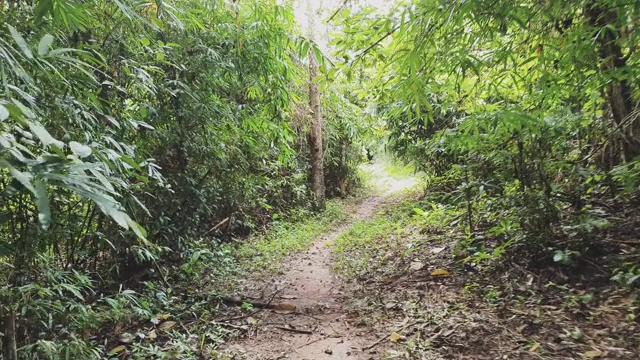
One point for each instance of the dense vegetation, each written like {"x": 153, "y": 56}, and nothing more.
{"x": 523, "y": 114}
{"x": 140, "y": 140}
{"x": 134, "y": 134}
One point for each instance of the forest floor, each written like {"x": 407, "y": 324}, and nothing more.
{"x": 305, "y": 316}
{"x": 384, "y": 284}
{"x": 309, "y": 320}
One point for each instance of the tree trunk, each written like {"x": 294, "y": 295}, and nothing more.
{"x": 343, "y": 174}
{"x": 315, "y": 135}
{"x": 9, "y": 344}
{"x": 618, "y": 91}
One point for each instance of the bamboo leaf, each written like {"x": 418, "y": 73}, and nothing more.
{"x": 22, "y": 44}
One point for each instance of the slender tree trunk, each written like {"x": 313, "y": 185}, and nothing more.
{"x": 343, "y": 175}
{"x": 618, "y": 91}
{"x": 315, "y": 128}
{"x": 9, "y": 344}
{"x": 315, "y": 135}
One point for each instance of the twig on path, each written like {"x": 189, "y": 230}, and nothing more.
{"x": 435, "y": 336}
{"x": 299, "y": 331}
{"x": 311, "y": 316}
{"x": 233, "y": 326}
{"x": 377, "y": 342}
{"x": 260, "y": 308}
{"x": 337, "y": 334}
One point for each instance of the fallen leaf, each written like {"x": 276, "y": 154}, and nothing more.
{"x": 167, "y": 325}
{"x": 529, "y": 280}
{"x": 117, "y": 350}
{"x": 592, "y": 354}
{"x": 534, "y": 347}
{"x": 390, "y": 305}
{"x": 449, "y": 332}
{"x": 576, "y": 334}
{"x": 284, "y": 308}
{"x": 438, "y": 250}
{"x": 520, "y": 329}
{"x": 251, "y": 320}
{"x": 125, "y": 338}
{"x": 416, "y": 265}
{"x": 395, "y": 337}
{"x": 288, "y": 297}
{"x": 440, "y": 272}
{"x": 152, "y": 335}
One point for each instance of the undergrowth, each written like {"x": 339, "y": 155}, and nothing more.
{"x": 417, "y": 277}
{"x": 391, "y": 237}
{"x": 170, "y": 311}
{"x": 289, "y": 236}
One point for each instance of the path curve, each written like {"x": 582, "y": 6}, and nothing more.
{"x": 320, "y": 328}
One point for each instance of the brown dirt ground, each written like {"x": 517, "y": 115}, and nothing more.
{"x": 400, "y": 311}
{"x": 320, "y": 327}
{"x": 473, "y": 314}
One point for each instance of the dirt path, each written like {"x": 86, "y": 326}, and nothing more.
{"x": 320, "y": 327}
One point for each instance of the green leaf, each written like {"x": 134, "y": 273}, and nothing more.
{"x": 145, "y": 42}
{"x": 43, "y": 7}
{"x": 45, "y": 44}
{"x": 44, "y": 209}
{"x": 633, "y": 279}
{"x": 4, "y": 113}
{"x": 79, "y": 149}
{"x": 304, "y": 49}
{"x": 22, "y": 44}
{"x": 118, "y": 216}
{"x": 44, "y": 136}
{"x": 137, "y": 229}
{"x": 72, "y": 289}
{"x": 130, "y": 161}
{"x": 23, "y": 177}
{"x": 559, "y": 256}
{"x": 160, "y": 56}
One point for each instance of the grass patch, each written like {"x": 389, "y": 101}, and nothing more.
{"x": 286, "y": 237}
{"x": 371, "y": 244}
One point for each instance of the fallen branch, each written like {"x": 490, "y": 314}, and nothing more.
{"x": 375, "y": 343}
{"x": 217, "y": 226}
{"x": 299, "y": 331}
{"x": 232, "y": 326}
{"x": 263, "y": 306}
{"x": 284, "y": 353}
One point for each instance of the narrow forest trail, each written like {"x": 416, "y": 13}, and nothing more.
{"x": 320, "y": 327}
{"x": 309, "y": 284}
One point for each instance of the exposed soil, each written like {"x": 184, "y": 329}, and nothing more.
{"x": 400, "y": 309}
{"x": 473, "y": 314}
{"x": 319, "y": 327}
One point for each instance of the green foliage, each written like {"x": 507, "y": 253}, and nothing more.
{"x": 627, "y": 275}
{"x": 136, "y": 140}
{"x": 372, "y": 244}
{"x": 522, "y": 114}
{"x": 289, "y": 236}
